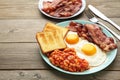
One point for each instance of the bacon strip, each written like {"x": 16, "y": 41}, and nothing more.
{"x": 104, "y": 42}
{"x": 94, "y": 34}
{"x": 62, "y": 8}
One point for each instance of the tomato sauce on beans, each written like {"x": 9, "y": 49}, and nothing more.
{"x": 68, "y": 60}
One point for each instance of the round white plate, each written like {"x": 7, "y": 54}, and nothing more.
{"x": 40, "y": 6}
{"x": 110, "y": 55}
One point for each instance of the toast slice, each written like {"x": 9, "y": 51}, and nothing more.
{"x": 50, "y": 27}
{"x": 50, "y": 40}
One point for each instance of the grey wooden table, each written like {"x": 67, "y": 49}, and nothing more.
{"x": 19, "y": 51}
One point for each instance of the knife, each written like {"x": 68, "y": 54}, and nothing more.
{"x": 102, "y": 16}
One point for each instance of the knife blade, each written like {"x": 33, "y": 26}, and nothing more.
{"x": 102, "y": 16}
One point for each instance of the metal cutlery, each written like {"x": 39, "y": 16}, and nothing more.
{"x": 102, "y": 16}
{"x": 93, "y": 19}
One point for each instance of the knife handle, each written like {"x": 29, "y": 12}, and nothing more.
{"x": 114, "y": 24}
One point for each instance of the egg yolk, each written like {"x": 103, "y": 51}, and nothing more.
{"x": 72, "y": 38}
{"x": 89, "y": 49}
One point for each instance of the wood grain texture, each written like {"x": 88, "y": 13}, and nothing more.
{"x": 26, "y": 56}
{"x": 55, "y": 75}
{"x": 13, "y": 30}
{"x": 19, "y": 1}
{"x": 109, "y": 7}
{"x": 20, "y": 20}
{"x": 27, "y": 9}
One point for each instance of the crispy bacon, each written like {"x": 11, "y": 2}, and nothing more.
{"x": 99, "y": 38}
{"x": 73, "y": 26}
{"x": 62, "y": 8}
{"x": 94, "y": 34}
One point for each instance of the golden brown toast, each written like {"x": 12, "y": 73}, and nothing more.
{"x": 50, "y": 40}
{"x": 50, "y": 27}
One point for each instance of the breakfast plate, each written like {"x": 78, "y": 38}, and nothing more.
{"x": 110, "y": 55}
{"x": 40, "y": 6}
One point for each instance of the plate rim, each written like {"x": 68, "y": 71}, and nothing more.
{"x": 76, "y": 14}
{"x": 97, "y": 69}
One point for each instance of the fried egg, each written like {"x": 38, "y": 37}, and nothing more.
{"x": 85, "y": 49}
{"x": 72, "y": 38}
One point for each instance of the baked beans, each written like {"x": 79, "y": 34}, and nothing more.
{"x": 68, "y": 60}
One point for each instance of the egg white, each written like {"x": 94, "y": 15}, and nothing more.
{"x": 95, "y": 60}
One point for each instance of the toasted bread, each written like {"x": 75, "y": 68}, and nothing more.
{"x": 50, "y": 27}
{"x": 50, "y": 40}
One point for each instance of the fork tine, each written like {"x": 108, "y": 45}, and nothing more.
{"x": 89, "y": 14}
{"x": 92, "y": 18}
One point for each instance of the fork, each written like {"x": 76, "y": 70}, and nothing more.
{"x": 93, "y": 19}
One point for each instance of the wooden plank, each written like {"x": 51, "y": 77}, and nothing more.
{"x": 13, "y": 30}
{"x": 35, "y": 1}
{"x": 20, "y": 30}
{"x": 19, "y": 11}
{"x": 22, "y": 11}
{"x": 20, "y": 56}
{"x": 26, "y": 10}
{"x": 109, "y": 7}
{"x": 19, "y": 1}
{"x": 26, "y": 56}
{"x": 51, "y": 75}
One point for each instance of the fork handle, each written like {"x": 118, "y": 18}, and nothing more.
{"x": 116, "y": 35}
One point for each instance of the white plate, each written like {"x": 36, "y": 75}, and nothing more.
{"x": 110, "y": 55}
{"x": 40, "y": 6}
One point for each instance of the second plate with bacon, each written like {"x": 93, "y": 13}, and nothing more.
{"x": 61, "y": 9}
